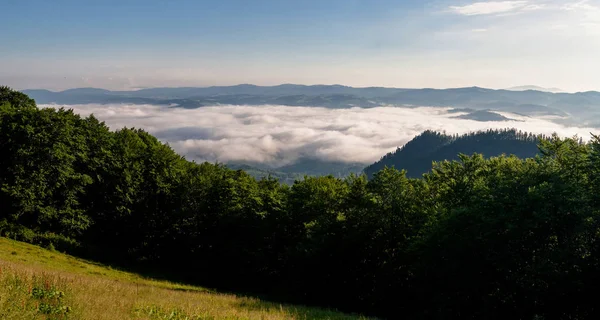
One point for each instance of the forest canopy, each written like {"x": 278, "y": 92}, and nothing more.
{"x": 494, "y": 238}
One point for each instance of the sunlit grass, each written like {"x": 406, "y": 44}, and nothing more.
{"x": 39, "y": 284}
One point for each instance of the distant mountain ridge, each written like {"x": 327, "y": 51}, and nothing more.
{"x": 582, "y": 108}
{"x": 535, "y": 88}
{"x": 484, "y": 115}
{"x": 282, "y": 90}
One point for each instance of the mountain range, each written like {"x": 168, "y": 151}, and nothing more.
{"x": 581, "y": 108}
{"x": 536, "y": 88}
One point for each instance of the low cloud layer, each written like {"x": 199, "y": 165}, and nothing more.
{"x": 279, "y": 135}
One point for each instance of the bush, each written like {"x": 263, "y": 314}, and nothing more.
{"x": 16, "y": 232}
{"x": 51, "y": 241}
{"x": 58, "y": 242}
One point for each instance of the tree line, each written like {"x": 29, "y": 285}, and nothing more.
{"x": 475, "y": 238}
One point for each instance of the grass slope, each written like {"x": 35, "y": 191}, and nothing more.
{"x": 40, "y": 284}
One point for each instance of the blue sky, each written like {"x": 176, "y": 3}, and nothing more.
{"x": 129, "y": 44}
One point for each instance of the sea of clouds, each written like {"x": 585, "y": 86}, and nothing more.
{"x": 278, "y": 135}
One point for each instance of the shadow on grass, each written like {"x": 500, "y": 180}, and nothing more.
{"x": 297, "y": 311}
{"x": 155, "y": 277}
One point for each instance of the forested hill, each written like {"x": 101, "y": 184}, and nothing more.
{"x": 478, "y": 238}
{"x": 417, "y": 155}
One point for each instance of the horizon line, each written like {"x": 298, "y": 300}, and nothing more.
{"x": 135, "y": 89}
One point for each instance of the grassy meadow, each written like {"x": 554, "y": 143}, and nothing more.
{"x": 36, "y": 283}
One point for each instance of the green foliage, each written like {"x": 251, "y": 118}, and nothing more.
{"x": 475, "y": 237}
{"x": 40, "y": 184}
{"x": 11, "y": 99}
{"x": 44, "y": 239}
{"x": 50, "y": 302}
{"x": 32, "y": 298}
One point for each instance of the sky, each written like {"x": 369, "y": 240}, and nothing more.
{"x": 130, "y": 44}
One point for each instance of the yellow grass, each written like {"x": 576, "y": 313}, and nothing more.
{"x": 39, "y": 284}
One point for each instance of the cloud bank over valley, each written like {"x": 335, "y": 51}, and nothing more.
{"x": 275, "y": 136}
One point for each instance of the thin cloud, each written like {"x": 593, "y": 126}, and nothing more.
{"x": 588, "y": 13}
{"x": 584, "y": 5}
{"x": 279, "y": 135}
{"x": 494, "y": 7}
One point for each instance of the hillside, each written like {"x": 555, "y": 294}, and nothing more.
{"x": 36, "y": 283}
{"x": 456, "y": 245}
{"x": 418, "y": 154}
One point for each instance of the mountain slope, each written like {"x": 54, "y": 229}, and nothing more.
{"x": 40, "y": 284}
{"x": 418, "y": 154}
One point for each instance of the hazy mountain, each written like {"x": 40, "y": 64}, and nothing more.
{"x": 258, "y": 173}
{"x": 535, "y": 88}
{"x": 321, "y": 168}
{"x": 321, "y": 95}
{"x": 417, "y": 155}
{"x": 302, "y": 167}
{"x": 581, "y": 107}
{"x": 250, "y": 89}
{"x": 484, "y": 115}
